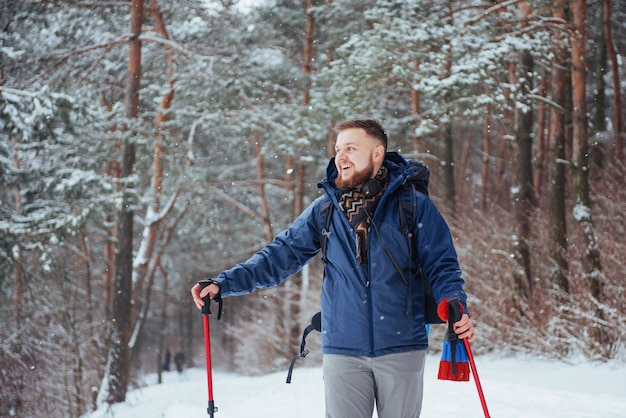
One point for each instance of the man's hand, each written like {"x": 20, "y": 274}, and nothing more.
{"x": 464, "y": 328}
{"x": 198, "y": 293}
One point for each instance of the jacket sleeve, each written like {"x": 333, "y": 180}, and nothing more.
{"x": 437, "y": 255}
{"x": 285, "y": 255}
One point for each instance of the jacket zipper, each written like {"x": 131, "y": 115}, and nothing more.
{"x": 370, "y": 305}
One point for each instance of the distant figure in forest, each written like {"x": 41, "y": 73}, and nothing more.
{"x": 166, "y": 361}
{"x": 179, "y": 360}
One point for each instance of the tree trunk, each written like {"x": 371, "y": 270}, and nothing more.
{"x": 108, "y": 278}
{"x": 447, "y": 170}
{"x": 19, "y": 277}
{"x": 331, "y": 139}
{"x": 599, "y": 97}
{"x": 582, "y": 209}
{"x": 86, "y": 254}
{"x": 540, "y": 153}
{"x": 164, "y": 320}
{"x": 618, "y": 122}
{"x": 260, "y": 175}
{"x": 295, "y": 286}
{"x": 416, "y": 106}
{"x": 523, "y": 197}
{"x": 145, "y": 254}
{"x": 307, "y": 69}
{"x": 556, "y": 156}
{"x": 484, "y": 175}
{"x": 119, "y": 353}
{"x": 307, "y": 58}
{"x": 594, "y": 275}
{"x": 503, "y": 179}
{"x": 448, "y": 162}
{"x": 465, "y": 147}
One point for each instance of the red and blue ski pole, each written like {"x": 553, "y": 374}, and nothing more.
{"x": 479, "y": 387}
{"x": 206, "y": 311}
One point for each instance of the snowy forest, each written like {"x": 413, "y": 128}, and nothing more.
{"x": 148, "y": 144}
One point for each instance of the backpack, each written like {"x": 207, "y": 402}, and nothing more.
{"x": 417, "y": 181}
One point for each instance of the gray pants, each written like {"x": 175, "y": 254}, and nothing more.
{"x": 394, "y": 383}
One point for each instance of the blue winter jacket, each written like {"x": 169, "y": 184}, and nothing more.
{"x": 367, "y": 310}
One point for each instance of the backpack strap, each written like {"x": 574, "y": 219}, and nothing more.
{"x": 407, "y": 205}
{"x": 326, "y": 208}
{"x": 316, "y": 325}
{"x": 407, "y": 214}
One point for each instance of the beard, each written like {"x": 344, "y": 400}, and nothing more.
{"x": 357, "y": 179}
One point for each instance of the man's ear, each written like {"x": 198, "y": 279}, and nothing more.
{"x": 379, "y": 153}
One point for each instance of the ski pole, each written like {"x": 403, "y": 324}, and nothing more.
{"x": 206, "y": 311}
{"x": 481, "y": 395}
{"x": 211, "y": 409}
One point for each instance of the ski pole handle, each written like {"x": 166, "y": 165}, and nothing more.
{"x": 206, "y": 309}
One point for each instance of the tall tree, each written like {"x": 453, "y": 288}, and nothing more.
{"x": 618, "y": 110}
{"x": 448, "y": 162}
{"x": 580, "y": 156}
{"x": 592, "y": 265}
{"x": 298, "y": 285}
{"x": 556, "y": 152}
{"x": 524, "y": 198}
{"x": 115, "y": 383}
{"x": 147, "y": 264}
{"x": 600, "y": 71}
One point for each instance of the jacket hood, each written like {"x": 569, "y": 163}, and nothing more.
{"x": 397, "y": 165}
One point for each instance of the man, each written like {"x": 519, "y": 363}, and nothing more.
{"x": 373, "y": 330}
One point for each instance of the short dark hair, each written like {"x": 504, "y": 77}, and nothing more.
{"x": 371, "y": 127}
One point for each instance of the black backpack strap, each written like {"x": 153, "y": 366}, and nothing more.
{"x": 326, "y": 208}
{"x": 316, "y": 324}
{"x": 407, "y": 217}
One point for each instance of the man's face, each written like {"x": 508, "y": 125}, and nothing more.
{"x": 358, "y": 158}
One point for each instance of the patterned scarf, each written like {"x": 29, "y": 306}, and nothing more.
{"x": 359, "y": 208}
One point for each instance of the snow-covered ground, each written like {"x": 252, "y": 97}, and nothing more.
{"x": 514, "y": 387}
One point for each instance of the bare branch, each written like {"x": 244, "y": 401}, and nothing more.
{"x": 491, "y": 10}
{"x": 109, "y": 45}
{"x": 104, "y": 4}
{"x": 550, "y": 103}
{"x": 238, "y": 205}
{"x": 61, "y": 59}
{"x": 253, "y": 182}
{"x": 175, "y": 46}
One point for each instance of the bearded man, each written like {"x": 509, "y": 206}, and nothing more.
{"x": 374, "y": 336}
